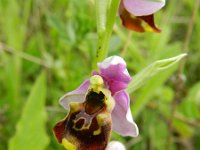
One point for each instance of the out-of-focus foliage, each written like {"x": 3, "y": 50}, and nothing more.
{"x": 59, "y": 37}
{"x": 31, "y": 126}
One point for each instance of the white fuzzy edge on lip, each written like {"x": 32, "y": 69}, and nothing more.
{"x": 112, "y": 60}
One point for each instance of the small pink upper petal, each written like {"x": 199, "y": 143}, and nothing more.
{"x": 77, "y": 95}
{"x": 113, "y": 70}
{"x": 121, "y": 116}
{"x": 143, "y": 7}
{"x": 116, "y": 86}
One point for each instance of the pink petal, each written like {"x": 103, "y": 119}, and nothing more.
{"x": 113, "y": 70}
{"x": 121, "y": 116}
{"x": 116, "y": 86}
{"x": 143, "y": 7}
{"x": 77, "y": 95}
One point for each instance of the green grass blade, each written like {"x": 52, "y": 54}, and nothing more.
{"x": 30, "y": 133}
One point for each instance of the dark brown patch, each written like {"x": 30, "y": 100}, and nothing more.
{"x": 79, "y": 124}
{"x": 94, "y": 102}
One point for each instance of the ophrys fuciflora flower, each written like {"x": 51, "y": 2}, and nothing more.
{"x": 99, "y": 105}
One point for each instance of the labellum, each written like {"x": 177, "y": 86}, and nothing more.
{"x": 88, "y": 124}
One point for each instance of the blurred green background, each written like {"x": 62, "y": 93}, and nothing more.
{"x": 47, "y": 48}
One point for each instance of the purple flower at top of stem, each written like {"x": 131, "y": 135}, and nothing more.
{"x": 116, "y": 78}
{"x": 137, "y": 15}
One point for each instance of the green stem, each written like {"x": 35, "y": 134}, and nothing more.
{"x": 101, "y": 14}
{"x": 105, "y": 21}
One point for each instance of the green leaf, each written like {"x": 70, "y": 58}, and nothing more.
{"x": 190, "y": 105}
{"x": 30, "y": 131}
{"x": 148, "y": 91}
{"x": 194, "y": 93}
{"x": 165, "y": 93}
{"x": 158, "y": 139}
{"x": 142, "y": 77}
{"x": 183, "y": 129}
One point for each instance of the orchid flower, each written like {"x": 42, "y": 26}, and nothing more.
{"x": 137, "y": 15}
{"x": 97, "y": 106}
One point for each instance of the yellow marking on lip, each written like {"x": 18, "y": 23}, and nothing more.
{"x": 74, "y": 106}
{"x": 101, "y": 120}
{"x": 68, "y": 145}
{"x": 110, "y": 104}
{"x": 97, "y": 132}
{"x": 147, "y": 27}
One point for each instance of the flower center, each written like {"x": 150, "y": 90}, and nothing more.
{"x": 94, "y": 102}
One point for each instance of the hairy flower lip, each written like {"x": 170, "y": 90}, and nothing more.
{"x": 116, "y": 78}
